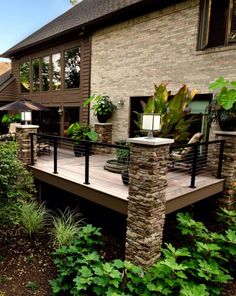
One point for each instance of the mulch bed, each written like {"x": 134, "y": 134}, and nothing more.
{"x": 26, "y": 264}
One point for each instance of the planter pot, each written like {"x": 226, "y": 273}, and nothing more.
{"x": 125, "y": 176}
{"x": 228, "y": 125}
{"x": 103, "y": 118}
{"x": 114, "y": 166}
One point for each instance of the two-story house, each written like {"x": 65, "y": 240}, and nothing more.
{"x": 121, "y": 48}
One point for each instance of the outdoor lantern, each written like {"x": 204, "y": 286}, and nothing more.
{"x": 26, "y": 116}
{"x": 151, "y": 122}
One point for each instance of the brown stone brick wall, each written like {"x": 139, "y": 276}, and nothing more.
{"x": 128, "y": 58}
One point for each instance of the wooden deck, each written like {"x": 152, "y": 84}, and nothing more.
{"x": 106, "y": 188}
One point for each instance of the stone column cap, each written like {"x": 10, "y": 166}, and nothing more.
{"x": 150, "y": 141}
{"x": 105, "y": 123}
{"x": 27, "y": 126}
{"x": 225, "y": 133}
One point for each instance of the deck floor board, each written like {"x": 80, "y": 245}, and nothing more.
{"x": 72, "y": 168}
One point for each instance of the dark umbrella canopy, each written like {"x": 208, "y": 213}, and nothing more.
{"x": 24, "y": 106}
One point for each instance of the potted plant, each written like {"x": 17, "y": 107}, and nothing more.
{"x": 223, "y": 106}
{"x": 81, "y": 132}
{"x": 102, "y": 107}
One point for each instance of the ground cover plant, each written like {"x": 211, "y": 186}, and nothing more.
{"x": 199, "y": 267}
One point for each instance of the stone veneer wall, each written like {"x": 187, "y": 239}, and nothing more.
{"x": 146, "y": 201}
{"x": 228, "y": 167}
{"x": 23, "y": 141}
{"x": 104, "y": 131}
{"x": 128, "y": 58}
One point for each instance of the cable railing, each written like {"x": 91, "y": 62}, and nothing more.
{"x": 89, "y": 154}
{"x": 89, "y": 159}
{"x": 197, "y": 158}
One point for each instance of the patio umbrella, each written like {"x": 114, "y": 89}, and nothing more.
{"x": 24, "y": 105}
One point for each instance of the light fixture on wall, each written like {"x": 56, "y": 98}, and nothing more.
{"x": 151, "y": 122}
{"x": 60, "y": 110}
{"x": 120, "y": 103}
{"x": 26, "y": 116}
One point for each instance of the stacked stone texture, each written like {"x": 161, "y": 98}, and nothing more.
{"x": 24, "y": 145}
{"x": 146, "y": 205}
{"x": 228, "y": 168}
{"x": 104, "y": 131}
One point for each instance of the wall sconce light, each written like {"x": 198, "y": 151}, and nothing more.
{"x": 151, "y": 122}
{"x": 60, "y": 110}
{"x": 26, "y": 116}
{"x": 120, "y": 103}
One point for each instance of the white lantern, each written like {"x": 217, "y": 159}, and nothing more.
{"x": 26, "y": 116}
{"x": 151, "y": 122}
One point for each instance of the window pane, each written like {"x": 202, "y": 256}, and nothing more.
{"x": 56, "y": 71}
{"x": 72, "y": 68}
{"x": 218, "y": 23}
{"x": 25, "y": 77}
{"x": 45, "y": 73}
{"x": 233, "y": 24}
{"x": 35, "y": 75}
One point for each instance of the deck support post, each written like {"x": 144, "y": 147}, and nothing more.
{"x": 228, "y": 168}
{"x": 24, "y": 142}
{"x": 147, "y": 200}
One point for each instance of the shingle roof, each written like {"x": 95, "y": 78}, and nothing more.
{"x": 4, "y": 77}
{"x": 82, "y": 14}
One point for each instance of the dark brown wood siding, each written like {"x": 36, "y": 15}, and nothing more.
{"x": 9, "y": 92}
{"x": 64, "y": 97}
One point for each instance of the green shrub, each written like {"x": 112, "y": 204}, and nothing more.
{"x": 196, "y": 268}
{"x": 32, "y": 217}
{"x": 15, "y": 181}
{"x": 65, "y": 227}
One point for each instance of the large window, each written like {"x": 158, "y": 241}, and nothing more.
{"x": 35, "y": 75}
{"x": 56, "y": 71}
{"x": 45, "y": 73}
{"x": 72, "y": 68}
{"x": 218, "y": 23}
{"x": 25, "y": 77}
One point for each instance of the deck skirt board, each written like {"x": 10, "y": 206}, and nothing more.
{"x": 106, "y": 188}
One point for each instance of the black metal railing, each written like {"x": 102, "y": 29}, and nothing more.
{"x": 83, "y": 148}
{"x": 197, "y": 157}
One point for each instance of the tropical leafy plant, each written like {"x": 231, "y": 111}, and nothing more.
{"x": 65, "y": 227}
{"x": 32, "y": 217}
{"x": 80, "y": 131}
{"x": 173, "y": 111}
{"x": 223, "y": 106}
{"x": 102, "y": 105}
{"x": 226, "y": 97}
{"x": 9, "y": 118}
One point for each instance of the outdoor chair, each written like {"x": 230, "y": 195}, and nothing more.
{"x": 184, "y": 157}
{"x": 43, "y": 147}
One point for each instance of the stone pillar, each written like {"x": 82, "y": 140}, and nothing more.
{"x": 23, "y": 141}
{"x": 104, "y": 131}
{"x": 228, "y": 168}
{"x": 146, "y": 201}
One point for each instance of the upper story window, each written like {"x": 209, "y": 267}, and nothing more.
{"x": 72, "y": 68}
{"x": 217, "y": 23}
{"x": 56, "y": 71}
{"x": 25, "y": 77}
{"x": 35, "y": 75}
{"x": 45, "y": 77}
{"x": 46, "y": 72}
